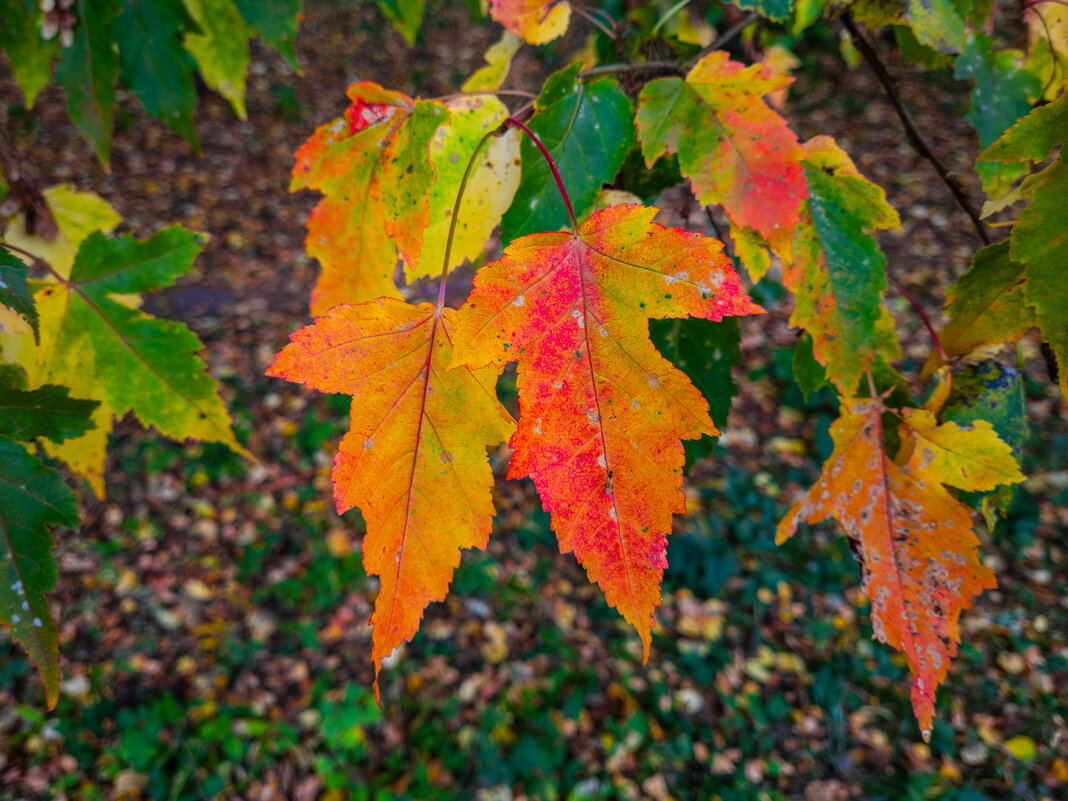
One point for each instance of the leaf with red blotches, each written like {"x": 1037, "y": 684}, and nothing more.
{"x": 373, "y": 165}
{"x": 414, "y": 460}
{"x": 733, "y": 147}
{"x": 536, "y": 21}
{"x": 918, "y": 551}
{"x": 602, "y": 412}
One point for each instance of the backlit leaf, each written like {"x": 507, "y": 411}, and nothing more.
{"x": 588, "y": 128}
{"x": 105, "y": 350}
{"x": 602, "y": 412}
{"x": 414, "y": 460}
{"x": 28, "y": 54}
{"x": 836, "y": 272}
{"x": 490, "y": 189}
{"x": 221, "y": 48}
{"x": 498, "y": 62}
{"x": 536, "y": 21}
{"x": 918, "y": 550}
{"x": 733, "y": 147}
{"x": 33, "y": 498}
{"x": 938, "y": 24}
{"x": 374, "y": 167}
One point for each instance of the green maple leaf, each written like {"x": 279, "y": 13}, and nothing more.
{"x": 105, "y": 350}
{"x": 588, "y": 128}
{"x": 33, "y": 498}
{"x": 15, "y": 291}
{"x": 276, "y": 22}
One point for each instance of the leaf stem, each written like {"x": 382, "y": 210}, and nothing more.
{"x": 34, "y": 258}
{"x": 915, "y": 138}
{"x": 923, "y": 316}
{"x": 512, "y": 122}
{"x": 471, "y": 164}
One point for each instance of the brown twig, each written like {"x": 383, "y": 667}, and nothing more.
{"x": 911, "y": 131}
{"x": 923, "y": 316}
{"x": 39, "y": 219}
{"x": 673, "y": 67}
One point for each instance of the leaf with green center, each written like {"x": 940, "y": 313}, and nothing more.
{"x": 15, "y": 291}
{"x": 602, "y": 412}
{"x": 999, "y": 99}
{"x": 1040, "y": 239}
{"x": 33, "y": 498}
{"x": 220, "y": 49}
{"x": 276, "y": 22}
{"x": 985, "y": 306}
{"x": 105, "y": 350}
{"x": 28, "y": 54}
{"x": 47, "y": 411}
{"x": 733, "y": 147}
{"x": 536, "y": 21}
{"x": 154, "y": 65}
{"x": 490, "y": 189}
{"x": 414, "y": 459}
{"x": 587, "y": 128}
{"x": 373, "y": 165}
{"x": 918, "y": 551}
{"x": 87, "y": 71}
{"x": 836, "y": 271}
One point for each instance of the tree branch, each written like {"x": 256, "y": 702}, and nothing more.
{"x": 39, "y": 219}
{"x": 915, "y": 138}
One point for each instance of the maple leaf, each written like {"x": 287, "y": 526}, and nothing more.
{"x": 373, "y": 166}
{"x": 490, "y": 188}
{"x": 918, "y": 550}
{"x": 602, "y": 412}
{"x": 536, "y": 21}
{"x": 835, "y": 269}
{"x": 587, "y": 129}
{"x": 985, "y": 306}
{"x": 733, "y": 147}
{"x": 94, "y": 342}
{"x": 414, "y": 459}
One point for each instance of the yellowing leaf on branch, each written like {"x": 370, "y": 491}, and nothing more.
{"x": 602, "y": 413}
{"x": 918, "y": 550}
{"x": 373, "y": 165}
{"x": 414, "y": 460}
{"x": 536, "y": 21}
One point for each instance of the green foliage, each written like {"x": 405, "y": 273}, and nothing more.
{"x": 152, "y": 47}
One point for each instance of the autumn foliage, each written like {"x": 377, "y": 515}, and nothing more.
{"x": 417, "y": 186}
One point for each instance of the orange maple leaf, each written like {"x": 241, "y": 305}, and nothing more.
{"x": 602, "y": 412}
{"x": 414, "y": 459}
{"x": 918, "y": 551}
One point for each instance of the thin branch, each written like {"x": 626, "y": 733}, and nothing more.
{"x": 923, "y": 316}
{"x": 912, "y": 132}
{"x": 723, "y": 39}
{"x": 674, "y": 67}
{"x": 39, "y": 219}
{"x": 594, "y": 21}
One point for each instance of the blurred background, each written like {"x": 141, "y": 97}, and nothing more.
{"x": 213, "y": 611}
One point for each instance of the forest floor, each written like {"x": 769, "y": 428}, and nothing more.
{"x": 213, "y": 611}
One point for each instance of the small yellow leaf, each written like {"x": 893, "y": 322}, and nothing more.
{"x": 1022, "y": 747}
